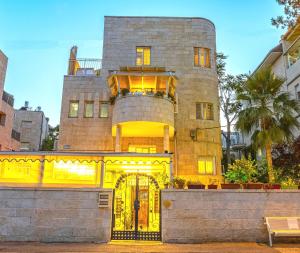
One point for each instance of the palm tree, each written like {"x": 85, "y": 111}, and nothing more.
{"x": 268, "y": 114}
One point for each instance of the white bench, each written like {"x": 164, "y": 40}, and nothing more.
{"x": 282, "y": 226}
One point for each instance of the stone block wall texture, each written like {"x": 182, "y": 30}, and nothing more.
{"x": 172, "y": 42}
{"x": 34, "y": 131}
{"x": 197, "y": 216}
{"x": 53, "y": 215}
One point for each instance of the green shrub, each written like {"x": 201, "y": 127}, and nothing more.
{"x": 242, "y": 171}
{"x": 178, "y": 182}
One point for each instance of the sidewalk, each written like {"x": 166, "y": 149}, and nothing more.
{"x": 17, "y": 247}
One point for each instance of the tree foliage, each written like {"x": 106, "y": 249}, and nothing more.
{"x": 269, "y": 114}
{"x": 229, "y": 105}
{"x": 291, "y": 13}
{"x": 49, "y": 141}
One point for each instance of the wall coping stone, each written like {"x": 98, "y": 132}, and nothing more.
{"x": 55, "y": 189}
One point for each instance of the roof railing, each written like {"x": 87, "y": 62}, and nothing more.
{"x": 85, "y": 67}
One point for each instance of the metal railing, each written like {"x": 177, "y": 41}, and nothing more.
{"x": 8, "y": 98}
{"x": 85, "y": 67}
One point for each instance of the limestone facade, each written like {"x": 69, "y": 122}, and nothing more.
{"x": 33, "y": 128}
{"x": 197, "y": 216}
{"x": 9, "y": 139}
{"x": 171, "y": 125}
{"x": 53, "y": 215}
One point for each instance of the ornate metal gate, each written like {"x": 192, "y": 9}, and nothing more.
{"x": 136, "y": 210}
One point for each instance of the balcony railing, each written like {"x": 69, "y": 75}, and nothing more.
{"x": 85, "y": 67}
{"x": 147, "y": 92}
{"x": 8, "y": 98}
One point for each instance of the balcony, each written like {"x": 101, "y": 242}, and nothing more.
{"x": 143, "y": 115}
{"x": 84, "y": 67}
{"x": 145, "y": 98}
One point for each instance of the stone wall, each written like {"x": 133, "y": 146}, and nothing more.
{"x": 33, "y": 127}
{"x": 85, "y": 134}
{"x": 53, "y": 215}
{"x": 196, "y": 216}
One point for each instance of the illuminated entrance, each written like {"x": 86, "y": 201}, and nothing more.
{"x": 136, "y": 212}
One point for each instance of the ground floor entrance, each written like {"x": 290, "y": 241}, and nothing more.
{"x": 136, "y": 208}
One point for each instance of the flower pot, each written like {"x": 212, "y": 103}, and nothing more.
{"x": 212, "y": 186}
{"x": 196, "y": 186}
{"x": 179, "y": 186}
{"x": 230, "y": 186}
{"x": 253, "y": 186}
{"x": 272, "y": 186}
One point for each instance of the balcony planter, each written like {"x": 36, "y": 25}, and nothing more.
{"x": 231, "y": 186}
{"x": 253, "y": 186}
{"x": 272, "y": 186}
{"x": 178, "y": 183}
{"x": 196, "y": 186}
{"x": 212, "y": 186}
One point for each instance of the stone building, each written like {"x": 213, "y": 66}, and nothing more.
{"x": 146, "y": 112}
{"x": 284, "y": 60}
{"x": 9, "y": 138}
{"x": 156, "y": 92}
{"x": 32, "y": 126}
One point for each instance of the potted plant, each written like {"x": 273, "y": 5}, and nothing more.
{"x": 178, "y": 182}
{"x": 159, "y": 94}
{"x": 242, "y": 171}
{"x": 195, "y": 185}
{"x": 212, "y": 186}
{"x": 289, "y": 183}
{"x": 124, "y": 92}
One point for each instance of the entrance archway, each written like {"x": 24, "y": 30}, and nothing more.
{"x": 136, "y": 210}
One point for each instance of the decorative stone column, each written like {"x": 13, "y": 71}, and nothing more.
{"x": 166, "y": 138}
{"x": 118, "y": 138}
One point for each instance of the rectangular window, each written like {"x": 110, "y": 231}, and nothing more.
{"x": 143, "y": 56}
{"x": 204, "y": 111}
{"x": 26, "y": 124}
{"x": 202, "y": 57}
{"x": 206, "y": 165}
{"x": 73, "y": 109}
{"x": 103, "y": 110}
{"x": 2, "y": 119}
{"x": 88, "y": 109}
{"x": 24, "y": 146}
{"x": 142, "y": 149}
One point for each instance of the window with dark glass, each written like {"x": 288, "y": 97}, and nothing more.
{"x": 202, "y": 57}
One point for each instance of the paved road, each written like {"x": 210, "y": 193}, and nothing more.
{"x": 147, "y": 247}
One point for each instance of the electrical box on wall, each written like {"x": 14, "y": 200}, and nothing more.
{"x": 103, "y": 200}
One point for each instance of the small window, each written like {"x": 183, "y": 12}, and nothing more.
{"x": 88, "y": 109}
{"x": 204, "y": 111}
{"x": 202, "y": 57}
{"x": 73, "y": 109}
{"x": 2, "y": 119}
{"x": 103, "y": 110}
{"x": 24, "y": 146}
{"x": 206, "y": 165}
{"x": 143, "y": 56}
{"x": 26, "y": 124}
